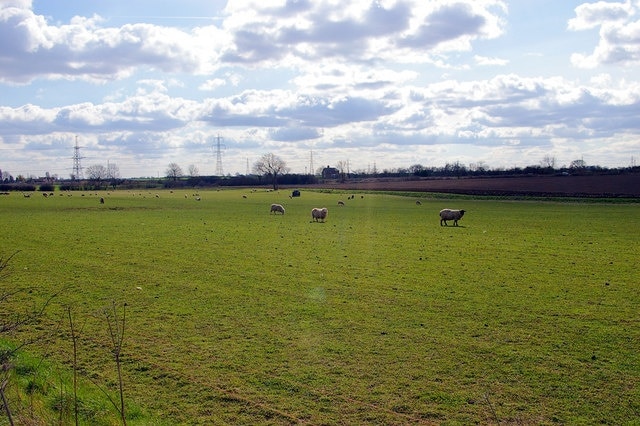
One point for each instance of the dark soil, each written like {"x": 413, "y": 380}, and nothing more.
{"x": 619, "y": 186}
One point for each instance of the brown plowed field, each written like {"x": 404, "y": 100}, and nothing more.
{"x": 627, "y": 185}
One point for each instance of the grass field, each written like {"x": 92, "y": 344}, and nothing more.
{"x": 527, "y": 313}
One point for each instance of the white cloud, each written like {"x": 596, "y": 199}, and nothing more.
{"x": 83, "y": 49}
{"x": 503, "y": 106}
{"x": 252, "y": 33}
{"x": 619, "y": 35}
{"x": 213, "y": 84}
{"x": 358, "y": 79}
{"x": 593, "y": 15}
{"x": 346, "y": 79}
{"x": 358, "y": 30}
{"x": 487, "y": 61}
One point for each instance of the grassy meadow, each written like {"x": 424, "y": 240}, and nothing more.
{"x": 526, "y": 313}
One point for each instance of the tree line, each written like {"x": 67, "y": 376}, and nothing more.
{"x": 272, "y": 170}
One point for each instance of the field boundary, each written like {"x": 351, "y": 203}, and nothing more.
{"x": 594, "y": 186}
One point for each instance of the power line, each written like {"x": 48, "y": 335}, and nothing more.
{"x": 77, "y": 168}
{"x": 218, "y": 151}
{"x": 311, "y": 169}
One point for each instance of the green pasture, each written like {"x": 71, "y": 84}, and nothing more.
{"x": 527, "y": 313}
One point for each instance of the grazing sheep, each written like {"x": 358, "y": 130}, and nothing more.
{"x": 418, "y": 203}
{"x": 101, "y": 200}
{"x": 340, "y": 203}
{"x": 448, "y": 214}
{"x": 319, "y": 214}
{"x": 275, "y": 208}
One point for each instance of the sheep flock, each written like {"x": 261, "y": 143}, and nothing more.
{"x": 318, "y": 214}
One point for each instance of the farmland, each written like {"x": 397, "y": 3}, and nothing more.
{"x": 526, "y": 313}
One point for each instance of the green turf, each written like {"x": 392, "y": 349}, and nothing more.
{"x": 526, "y": 313}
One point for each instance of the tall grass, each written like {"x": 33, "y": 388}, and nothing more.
{"x": 526, "y": 313}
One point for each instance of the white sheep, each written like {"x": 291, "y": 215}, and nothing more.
{"x": 275, "y": 208}
{"x": 317, "y": 214}
{"x": 448, "y": 214}
{"x": 340, "y": 203}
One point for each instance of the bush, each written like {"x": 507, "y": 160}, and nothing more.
{"x": 24, "y": 187}
{"x": 71, "y": 186}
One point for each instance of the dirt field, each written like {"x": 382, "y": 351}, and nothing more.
{"x": 575, "y": 186}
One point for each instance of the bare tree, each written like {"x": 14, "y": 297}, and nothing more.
{"x": 416, "y": 168}
{"x": 174, "y": 171}
{"x": 193, "y": 171}
{"x": 548, "y": 162}
{"x": 271, "y": 165}
{"x": 342, "y": 167}
{"x": 96, "y": 172}
{"x": 113, "y": 172}
{"x": 479, "y": 167}
{"x": 578, "y": 164}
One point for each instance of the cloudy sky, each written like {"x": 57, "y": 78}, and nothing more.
{"x": 388, "y": 83}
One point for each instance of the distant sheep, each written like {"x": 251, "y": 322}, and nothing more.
{"x": 340, "y": 203}
{"x": 319, "y": 214}
{"x": 418, "y": 203}
{"x": 448, "y": 214}
{"x": 276, "y": 208}
{"x": 101, "y": 200}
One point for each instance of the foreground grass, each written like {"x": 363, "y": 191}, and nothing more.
{"x": 525, "y": 314}
{"x": 40, "y": 393}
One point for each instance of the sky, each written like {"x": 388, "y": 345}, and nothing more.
{"x": 213, "y": 85}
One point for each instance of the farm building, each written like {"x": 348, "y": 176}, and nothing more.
{"x": 330, "y": 173}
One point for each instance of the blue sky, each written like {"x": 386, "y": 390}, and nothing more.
{"x": 388, "y": 83}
